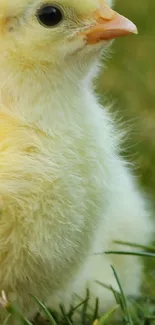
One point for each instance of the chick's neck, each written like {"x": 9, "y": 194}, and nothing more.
{"x": 44, "y": 97}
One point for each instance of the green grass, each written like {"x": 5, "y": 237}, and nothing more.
{"x": 134, "y": 312}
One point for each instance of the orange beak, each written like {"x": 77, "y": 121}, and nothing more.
{"x": 109, "y": 25}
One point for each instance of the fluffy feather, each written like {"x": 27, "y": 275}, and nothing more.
{"x": 65, "y": 193}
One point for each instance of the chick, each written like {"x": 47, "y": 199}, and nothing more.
{"x": 65, "y": 192}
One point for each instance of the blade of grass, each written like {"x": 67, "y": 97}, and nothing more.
{"x": 142, "y": 254}
{"x": 95, "y": 316}
{"x": 134, "y": 313}
{"x": 115, "y": 293}
{"x": 71, "y": 312}
{"x": 124, "y": 243}
{"x": 106, "y": 286}
{"x": 65, "y": 315}
{"x": 45, "y": 310}
{"x": 106, "y": 316}
{"x": 123, "y": 298}
{"x": 85, "y": 307}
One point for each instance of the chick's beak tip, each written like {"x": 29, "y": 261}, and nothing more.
{"x": 109, "y": 25}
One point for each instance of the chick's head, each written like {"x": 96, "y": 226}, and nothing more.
{"x": 54, "y": 31}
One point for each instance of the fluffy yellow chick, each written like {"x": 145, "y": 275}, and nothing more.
{"x": 65, "y": 193}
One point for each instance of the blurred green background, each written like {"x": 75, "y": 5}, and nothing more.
{"x": 129, "y": 82}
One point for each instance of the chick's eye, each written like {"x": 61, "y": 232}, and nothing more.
{"x": 49, "y": 15}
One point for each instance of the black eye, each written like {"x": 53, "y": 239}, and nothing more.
{"x": 49, "y": 15}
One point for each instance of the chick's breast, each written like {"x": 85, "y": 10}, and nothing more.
{"x": 50, "y": 199}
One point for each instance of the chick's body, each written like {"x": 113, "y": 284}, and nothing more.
{"x": 65, "y": 192}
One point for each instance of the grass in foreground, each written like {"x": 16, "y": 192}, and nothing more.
{"x": 134, "y": 312}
